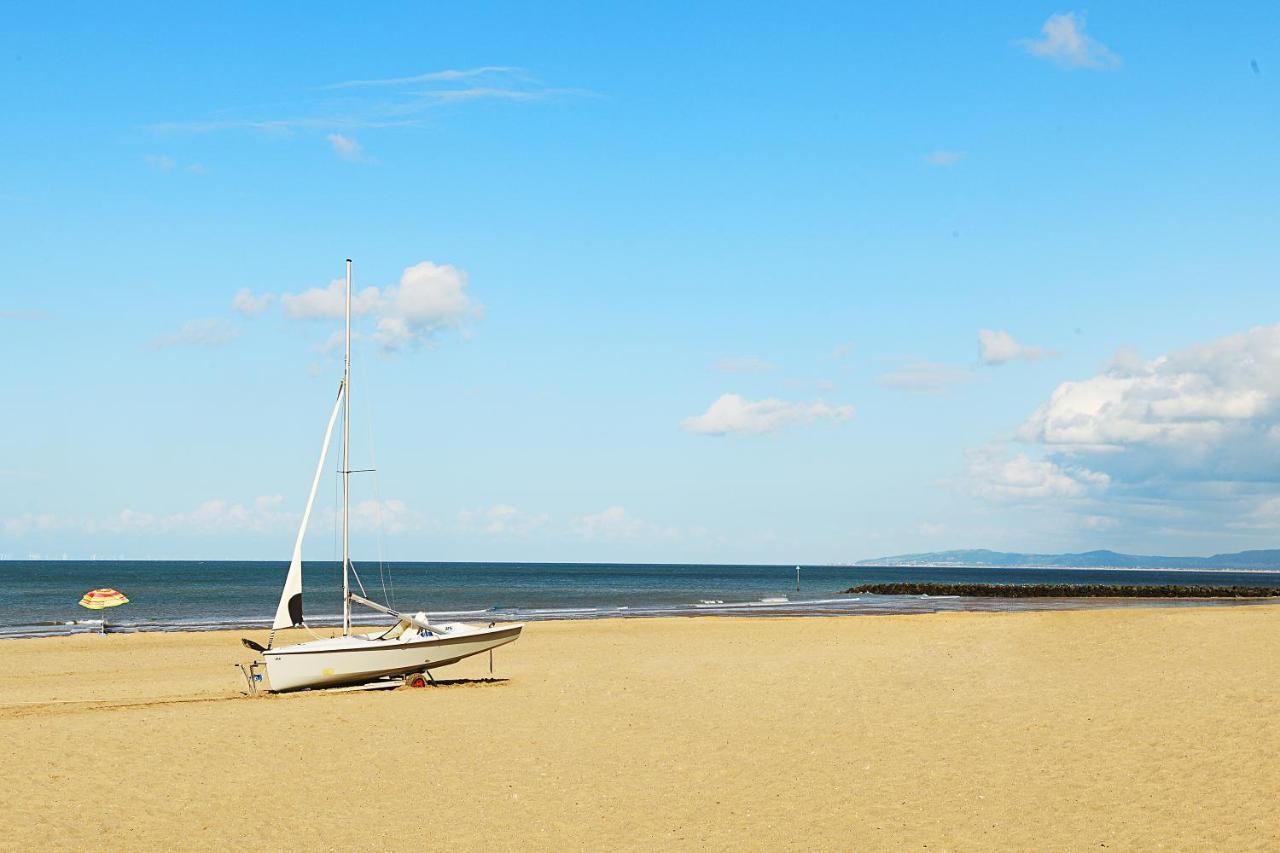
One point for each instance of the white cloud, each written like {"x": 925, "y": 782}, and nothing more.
{"x": 742, "y": 364}
{"x": 1189, "y": 442}
{"x": 495, "y": 82}
{"x": 265, "y": 514}
{"x": 164, "y": 163}
{"x": 378, "y": 103}
{"x": 476, "y": 93}
{"x": 1064, "y": 43}
{"x": 429, "y": 297}
{"x": 329, "y": 303}
{"x": 805, "y": 386}
{"x": 1184, "y": 445}
{"x": 924, "y": 376}
{"x": 1265, "y": 515}
{"x": 943, "y": 158}
{"x": 207, "y": 332}
{"x": 502, "y": 520}
{"x": 160, "y": 162}
{"x": 281, "y": 126}
{"x": 20, "y": 525}
{"x": 1000, "y": 348}
{"x": 212, "y": 517}
{"x": 731, "y": 414}
{"x": 346, "y": 148}
{"x": 447, "y": 75}
{"x": 994, "y": 473}
{"x": 249, "y": 305}
{"x": 391, "y": 516}
{"x": 614, "y": 523}
{"x": 842, "y": 351}
{"x": 335, "y": 342}
{"x": 1217, "y": 397}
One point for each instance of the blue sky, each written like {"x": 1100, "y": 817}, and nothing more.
{"x": 792, "y": 284}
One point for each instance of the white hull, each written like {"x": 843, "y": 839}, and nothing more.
{"x": 359, "y": 659}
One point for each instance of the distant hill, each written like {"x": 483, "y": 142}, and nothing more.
{"x": 1088, "y": 560}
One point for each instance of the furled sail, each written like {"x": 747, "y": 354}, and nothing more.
{"x": 289, "y": 612}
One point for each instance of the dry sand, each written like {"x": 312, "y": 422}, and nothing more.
{"x": 1134, "y": 729}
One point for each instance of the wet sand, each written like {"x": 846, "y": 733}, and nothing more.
{"x": 1134, "y": 729}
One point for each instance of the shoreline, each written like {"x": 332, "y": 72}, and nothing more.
{"x": 844, "y": 604}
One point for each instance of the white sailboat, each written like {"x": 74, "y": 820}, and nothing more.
{"x": 412, "y": 645}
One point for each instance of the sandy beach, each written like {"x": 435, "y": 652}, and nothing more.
{"x": 1131, "y": 729}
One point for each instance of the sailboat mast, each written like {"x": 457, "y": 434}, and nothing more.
{"x": 346, "y": 469}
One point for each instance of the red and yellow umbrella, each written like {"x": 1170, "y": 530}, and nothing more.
{"x": 98, "y": 599}
{"x": 101, "y": 599}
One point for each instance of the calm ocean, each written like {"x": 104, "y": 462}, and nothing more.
{"x": 39, "y": 597}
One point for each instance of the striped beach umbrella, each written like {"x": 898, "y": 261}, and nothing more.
{"x": 101, "y": 599}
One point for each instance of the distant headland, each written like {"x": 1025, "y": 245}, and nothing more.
{"x": 1063, "y": 590}
{"x": 1268, "y": 560}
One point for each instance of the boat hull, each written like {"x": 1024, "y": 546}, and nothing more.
{"x": 358, "y": 660}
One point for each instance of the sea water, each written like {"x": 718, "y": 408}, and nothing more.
{"x": 39, "y": 598}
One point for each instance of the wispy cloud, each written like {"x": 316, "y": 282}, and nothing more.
{"x": 245, "y": 303}
{"x": 280, "y": 126}
{"x": 206, "y": 332}
{"x": 159, "y": 162}
{"x": 346, "y": 148}
{"x": 385, "y": 102}
{"x": 165, "y": 163}
{"x": 499, "y": 82}
{"x": 842, "y": 352}
{"x": 447, "y": 75}
{"x": 996, "y": 347}
{"x": 501, "y": 520}
{"x": 475, "y": 93}
{"x": 731, "y": 414}
{"x": 616, "y": 523}
{"x": 216, "y": 517}
{"x": 925, "y": 376}
{"x": 942, "y": 158}
{"x": 742, "y": 364}
{"x": 1064, "y": 42}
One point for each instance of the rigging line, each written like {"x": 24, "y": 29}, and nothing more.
{"x": 384, "y": 574}
{"x": 360, "y": 582}
{"x": 351, "y": 563}
{"x": 336, "y": 477}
